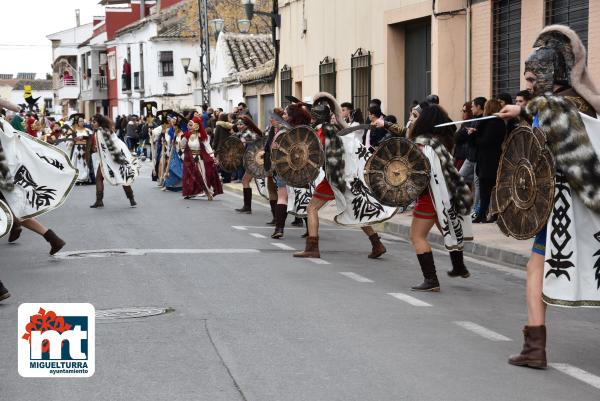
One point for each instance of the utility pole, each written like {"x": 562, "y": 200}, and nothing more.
{"x": 204, "y": 51}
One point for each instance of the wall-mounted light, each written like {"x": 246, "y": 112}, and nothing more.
{"x": 185, "y": 62}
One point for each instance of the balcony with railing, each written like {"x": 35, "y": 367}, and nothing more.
{"x": 138, "y": 81}
{"x": 66, "y": 86}
{"x": 94, "y": 87}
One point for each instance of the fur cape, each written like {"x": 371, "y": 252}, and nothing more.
{"x": 112, "y": 148}
{"x": 568, "y": 140}
{"x": 335, "y": 164}
{"x": 458, "y": 189}
{"x": 580, "y": 77}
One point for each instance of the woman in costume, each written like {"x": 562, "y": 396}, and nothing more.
{"x": 200, "y": 174}
{"x": 443, "y": 202}
{"x": 116, "y": 163}
{"x": 248, "y": 133}
{"x": 565, "y": 108}
{"x": 80, "y": 150}
{"x": 174, "y": 175}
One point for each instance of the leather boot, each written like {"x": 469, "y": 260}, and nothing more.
{"x": 129, "y": 194}
{"x": 15, "y": 231}
{"x": 297, "y": 222}
{"x": 274, "y": 220}
{"x": 280, "y": 216}
{"x": 431, "y": 282}
{"x": 533, "y": 354}
{"x": 458, "y": 265}
{"x": 56, "y": 243}
{"x": 311, "y": 250}
{"x": 247, "y": 209}
{"x": 99, "y": 203}
{"x": 306, "y": 232}
{"x": 378, "y": 247}
{"x": 3, "y": 292}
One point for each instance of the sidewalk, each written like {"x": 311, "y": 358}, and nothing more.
{"x": 489, "y": 241}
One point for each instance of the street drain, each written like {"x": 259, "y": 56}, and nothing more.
{"x": 131, "y": 313}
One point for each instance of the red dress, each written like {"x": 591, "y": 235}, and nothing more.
{"x": 200, "y": 173}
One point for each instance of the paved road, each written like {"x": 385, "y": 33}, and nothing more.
{"x": 250, "y": 322}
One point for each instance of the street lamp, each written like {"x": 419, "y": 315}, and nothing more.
{"x": 217, "y": 26}
{"x": 243, "y": 25}
{"x": 249, "y": 8}
{"x": 185, "y": 62}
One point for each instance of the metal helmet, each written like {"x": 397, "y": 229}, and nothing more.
{"x": 551, "y": 62}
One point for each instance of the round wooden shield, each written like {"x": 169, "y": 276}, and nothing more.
{"x": 6, "y": 219}
{"x": 397, "y": 173}
{"x": 298, "y": 156}
{"x": 524, "y": 194}
{"x": 231, "y": 154}
{"x": 254, "y": 161}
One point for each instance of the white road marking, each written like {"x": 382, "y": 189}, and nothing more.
{"x": 241, "y": 228}
{"x": 318, "y": 261}
{"x": 103, "y": 253}
{"x": 356, "y": 277}
{"x": 408, "y": 299}
{"x": 283, "y": 246}
{"x": 297, "y": 228}
{"x": 257, "y": 235}
{"x": 482, "y": 331}
{"x": 577, "y": 373}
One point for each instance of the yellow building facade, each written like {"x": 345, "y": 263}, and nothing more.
{"x": 402, "y": 50}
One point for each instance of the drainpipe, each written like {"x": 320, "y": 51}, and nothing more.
{"x": 142, "y": 8}
{"x": 468, "y": 54}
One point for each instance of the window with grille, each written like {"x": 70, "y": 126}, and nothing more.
{"x": 286, "y": 85}
{"x": 361, "y": 79}
{"x": 506, "y": 65}
{"x": 572, "y": 13}
{"x": 327, "y": 76}
{"x": 165, "y": 64}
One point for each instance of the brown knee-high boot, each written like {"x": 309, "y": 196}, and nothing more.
{"x": 378, "y": 248}
{"x": 533, "y": 354}
{"x": 311, "y": 250}
{"x": 56, "y": 243}
{"x": 99, "y": 202}
{"x": 15, "y": 231}
{"x": 129, "y": 194}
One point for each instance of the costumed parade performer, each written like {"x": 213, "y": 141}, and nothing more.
{"x": 200, "y": 173}
{"x": 563, "y": 268}
{"x": 80, "y": 150}
{"x": 115, "y": 162}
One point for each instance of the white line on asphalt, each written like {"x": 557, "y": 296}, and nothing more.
{"x": 257, "y": 235}
{"x": 283, "y": 246}
{"x": 356, "y": 277}
{"x": 297, "y": 228}
{"x": 318, "y": 261}
{"x": 241, "y": 228}
{"x": 408, "y": 299}
{"x": 577, "y": 373}
{"x": 482, "y": 331}
{"x": 103, "y": 253}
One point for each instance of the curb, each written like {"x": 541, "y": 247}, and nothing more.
{"x": 403, "y": 231}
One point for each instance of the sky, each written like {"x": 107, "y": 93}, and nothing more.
{"x": 25, "y": 25}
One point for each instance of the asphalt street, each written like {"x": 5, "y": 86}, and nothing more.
{"x": 247, "y": 321}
